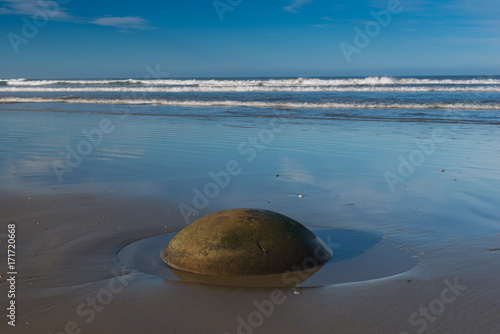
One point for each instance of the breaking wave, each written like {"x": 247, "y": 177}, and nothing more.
{"x": 241, "y": 89}
{"x": 261, "y": 84}
{"x": 258, "y": 104}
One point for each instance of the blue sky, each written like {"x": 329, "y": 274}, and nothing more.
{"x": 199, "y": 38}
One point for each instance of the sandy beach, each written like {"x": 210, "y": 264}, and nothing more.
{"x": 341, "y": 161}
{"x": 441, "y": 213}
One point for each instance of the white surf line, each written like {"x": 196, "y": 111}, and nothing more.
{"x": 259, "y": 104}
{"x": 242, "y": 89}
{"x": 367, "y": 81}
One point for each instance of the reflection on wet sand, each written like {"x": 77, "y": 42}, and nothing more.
{"x": 357, "y": 256}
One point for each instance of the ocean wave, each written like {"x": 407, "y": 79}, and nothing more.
{"x": 24, "y": 82}
{"x": 258, "y": 104}
{"x": 243, "y": 89}
{"x": 298, "y": 82}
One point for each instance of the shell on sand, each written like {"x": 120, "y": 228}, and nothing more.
{"x": 245, "y": 242}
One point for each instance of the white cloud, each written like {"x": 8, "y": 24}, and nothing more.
{"x": 126, "y": 22}
{"x": 59, "y": 13}
{"x": 5, "y": 11}
{"x": 328, "y": 18}
{"x": 323, "y": 26}
{"x": 30, "y": 8}
{"x": 295, "y": 5}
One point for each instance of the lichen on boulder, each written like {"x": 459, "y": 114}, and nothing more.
{"x": 244, "y": 242}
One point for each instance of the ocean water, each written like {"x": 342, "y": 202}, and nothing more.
{"x": 365, "y": 153}
{"x": 468, "y": 99}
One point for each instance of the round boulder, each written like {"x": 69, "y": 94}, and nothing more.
{"x": 245, "y": 242}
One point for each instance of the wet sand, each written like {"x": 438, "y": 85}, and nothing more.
{"x": 69, "y": 234}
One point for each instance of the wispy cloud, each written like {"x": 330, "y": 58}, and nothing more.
{"x": 59, "y": 13}
{"x": 5, "y": 11}
{"x": 328, "y": 18}
{"x": 323, "y": 26}
{"x": 295, "y": 4}
{"x": 126, "y": 22}
{"x": 29, "y": 7}
{"x": 483, "y": 7}
{"x": 463, "y": 40}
